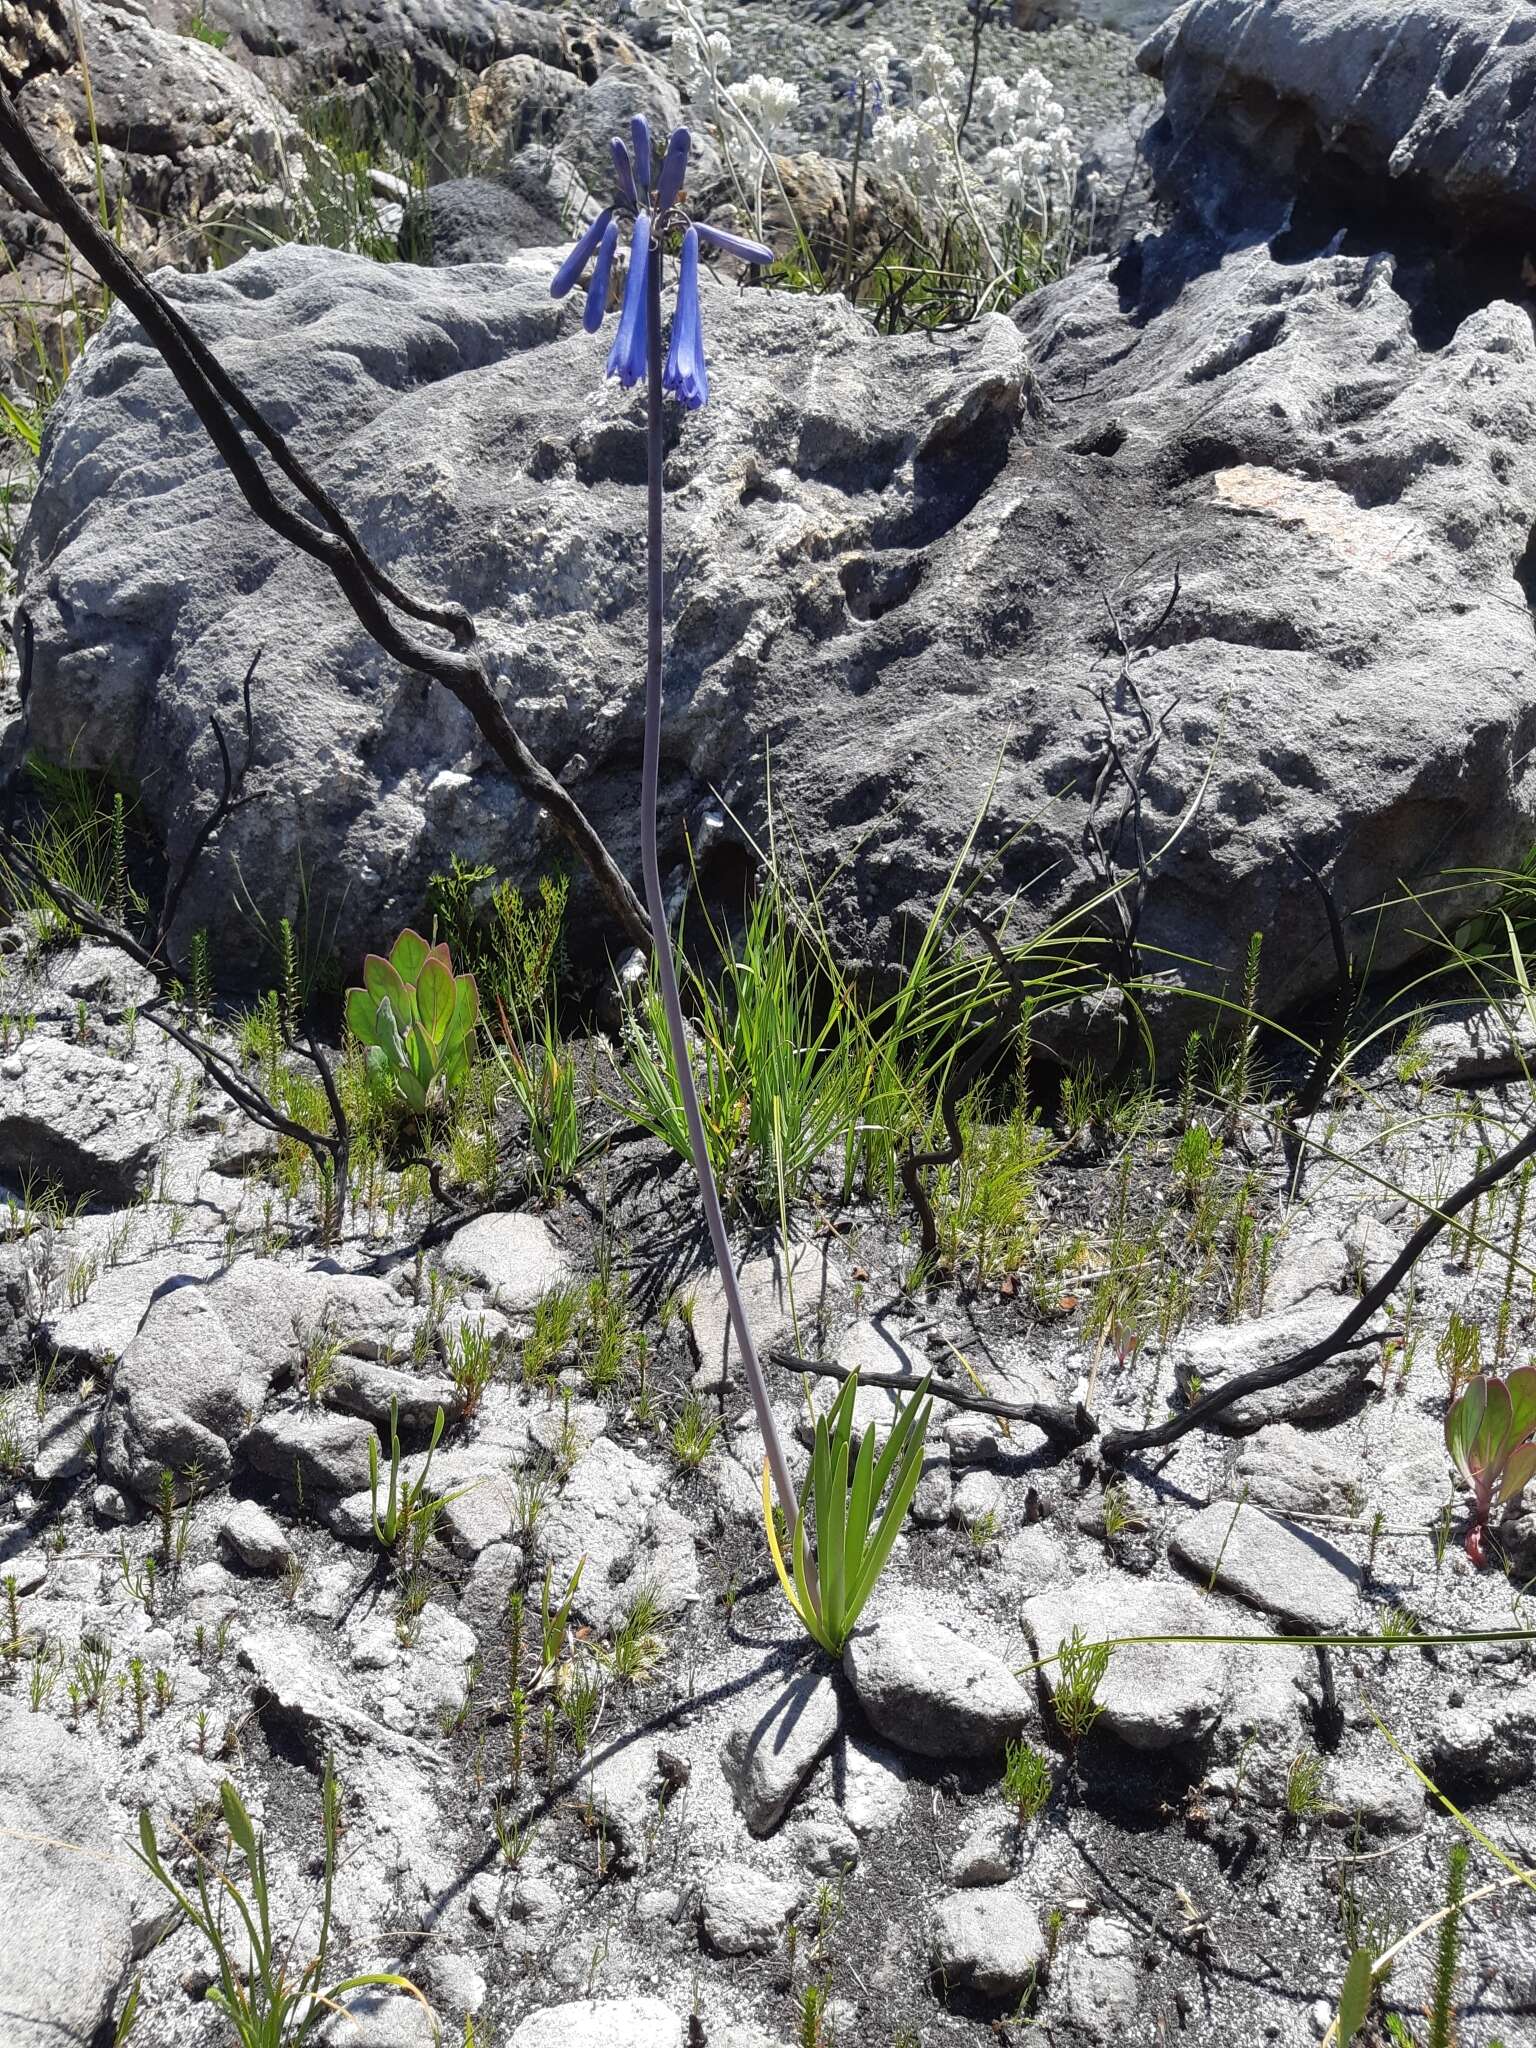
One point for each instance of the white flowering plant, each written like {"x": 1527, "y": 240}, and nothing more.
{"x": 991, "y": 164}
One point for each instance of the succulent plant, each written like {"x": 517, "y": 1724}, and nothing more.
{"x": 415, "y": 1018}
{"x": 1488, "y": 1432}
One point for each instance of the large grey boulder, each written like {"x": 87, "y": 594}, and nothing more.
{"x": 880, "y": 557}
{"x": 74, "y": 1118}
{"x": 1410, "y": 100}
{"x": 75, "y": 1906}
{"x": 197, "y": 1372}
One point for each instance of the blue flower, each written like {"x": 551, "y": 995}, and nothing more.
{"x": 625, "y": 176}
{"x": 685, "y": 375}
{"x": 640, "y": 141}
{"x": 653, "y": 205}
{"x": 580, "y": 256}
{"x": 602, "y": 271}
{"x": 626, "y": 359}
{"x": 735, "y": 245}
{"x": 674, "y": 169}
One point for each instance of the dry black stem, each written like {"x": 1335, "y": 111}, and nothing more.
{"x": 1128, "y": 761}
{"x": 1065, "y": 1427}
{"x": 1308, "y": 1098}
{"x": 1347, "y": 1337}
{"x": 320, "y": 529}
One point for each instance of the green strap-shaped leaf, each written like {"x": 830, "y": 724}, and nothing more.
{"x": 831, "y": 1532}
{"x": 902, "y": 1490}
{"x": 1355, "y": 1996}
{"x": 381, "y": 981}
{"x": 237, "y": 1820}
{"x": 1518, "y": 1471}
{"x": 860, "y": 1507}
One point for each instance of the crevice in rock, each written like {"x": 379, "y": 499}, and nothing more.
{"x": 1525, "y": 574}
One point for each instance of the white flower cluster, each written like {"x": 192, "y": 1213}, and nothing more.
{"x": 750, "y": 114}
{"x": 1030, "y": 161}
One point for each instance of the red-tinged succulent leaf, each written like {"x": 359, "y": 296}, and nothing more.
{"x": 435, "y": 996}
{"x": 1497, "y": 1437}
{"x": 440, "y": 952}
{"x": 383, "y": 982}
{"x": 1463, "y": 1422}
{"x": 407, "y": 954}
{"x": 1521, "y": 1385}
{"x": 466, "y": 1005}
{"x": 362, "y": 1015}
{"x": 1475, "y": 1543}
{"x": 1519, "y": 1469}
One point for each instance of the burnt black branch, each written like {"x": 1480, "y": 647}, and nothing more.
{"x": 1348, "y": 1335}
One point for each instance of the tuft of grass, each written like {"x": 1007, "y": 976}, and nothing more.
{"x": 694, "y": 1433}
{"x": 1026, "y": 1780}
{"x": 1080, "y": 1671}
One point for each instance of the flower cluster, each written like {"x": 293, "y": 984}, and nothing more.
{"x": 649, "y": 194}
{"x": 1030, "y": 160}
{"x": 749, "y": 115}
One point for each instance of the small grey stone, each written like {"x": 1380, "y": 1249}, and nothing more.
{"x": 514, "y": 1257}
{"x": 1103, "y": 1978}
{"x": 1376, "y": 1791}
{"x": 1297, "y": 1472}
{"x": 66, "y": 1442}
{"x": 329, "y": 1453}
{"x": 978, "y": 1499}
{"x": 1154, "y": 1695}
{"x": 935, "y": 1492}
{"x": 987, "y": 1941}
{"x": 931, "y": 1691}
{"x": 29, "y": 1568}
{"x": 1223, "y": 1351}
{"x": 827, "y": 1848}
{"x": 612, "y": 1514}
{"x": 774, "y": 1747}
{"x": 743, "y": 1912}
{"x": 1297, "y": 1575}
{"x": 255, "y": 1538}
{"x": 871, "y": 1786}
{"x": 601, "y": 2023}
{"x": 988, "y": 1853}
{"x": 361, "y": 1386}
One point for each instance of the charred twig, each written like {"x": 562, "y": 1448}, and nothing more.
{"x": 1130, "y": 766}
{"x": 1347, "y": 1337}
{"x": 321, "y": 530}
{"x": 1065, "y": 1427}
{"x": 230, "y": 799}
{"x": 1308, "y": 1098}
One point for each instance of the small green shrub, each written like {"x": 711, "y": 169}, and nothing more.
{"x": 268, "y": 2003}
{"x": 415, "y": 1020}
{"x": 842, "y": 1500}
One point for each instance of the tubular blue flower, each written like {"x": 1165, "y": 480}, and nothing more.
{"x": 602, "y": 271}
{"x": 685, "y": 375}
{"x": 625, "y": 175}
{"x": 580, "y": 256}
{"x": 735, "y": 245}
{"x": 626, "y": 359}
{"x": 640, "y": 141}
{"x": 674, "y": 169}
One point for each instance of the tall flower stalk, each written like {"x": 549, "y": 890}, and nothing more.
{"x": 658, "y": 214}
